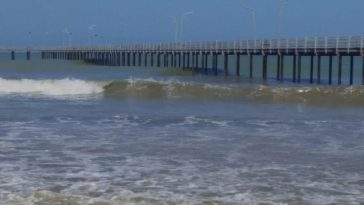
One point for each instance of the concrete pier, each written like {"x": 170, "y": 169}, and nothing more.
{"x": 203, "y": 57}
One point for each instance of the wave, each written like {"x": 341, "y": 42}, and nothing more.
{"x": 173, "y": 89}
{"x": 49, "y": 87}
{"x": 52, "y": 198}
{"x": 150, "y": 89}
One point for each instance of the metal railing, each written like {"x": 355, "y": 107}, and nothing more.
{"x": 307, "y": 44}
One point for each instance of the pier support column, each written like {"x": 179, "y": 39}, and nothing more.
{"x": 179, "y": 59}
{"x": 330, "y": 69}
{"x": 183, "y": 60}
{"x": 13, "y": 55}
{"x": 251, "y": 63}
{"x": 311, "y": 68}
{"x": 226, "y": 64}
{"x": 119, "y": 59}
{"x": 193, "y": 63}
{"x": 340, "y": 69}
{"x": 197, "y": 56}
{"x": 319, "y": 69}
{"x": 278, "y": 67}
{"x": 299, "y": 68}
{"x": 140, "y": 59}
{"x": 123, "y": 59}
{"x": 206, "y": 63}
{"x": 134, "y": 59}
{"x": 172, "y": 60}
{"x": 28, "y": 55}
{"x": 237, "y": 64}
{"x": 265, "y": 64}
{"x": 214, "y": 69}
{"x": 151, "y": 59}
{"x": 202, "y": 62}
{"x": 351, "y": 70}
{"x": 216, "y": 63}
{"x": 294, "y": 68}
{"x": 128, "y": 59}
{"x": 189, "y": 60}
{"x": 168, "y": 59}
{"x": 362, "y": 74}
{"x": 175, "y": 60}
{"x": 159, "y": 60}
{"x": 145, "y": 59}
{"x": 282, "y": 69}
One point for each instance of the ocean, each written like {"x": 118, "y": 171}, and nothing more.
{"x": 78, "y": 134}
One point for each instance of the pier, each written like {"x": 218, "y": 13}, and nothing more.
{"x": 204, "y": 57}
{"x": 14, "y": 52}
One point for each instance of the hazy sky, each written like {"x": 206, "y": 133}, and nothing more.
{"x": 151, "y": 20}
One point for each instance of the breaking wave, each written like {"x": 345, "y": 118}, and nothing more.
{"x": 150, "y": 89}
{"x": 173, "y": 89}
{"x": 49, "y": 87}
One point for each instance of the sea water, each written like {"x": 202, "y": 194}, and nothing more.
{"x": 78, "y": 134}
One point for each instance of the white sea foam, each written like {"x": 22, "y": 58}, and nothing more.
{"x": 62, "y": 87}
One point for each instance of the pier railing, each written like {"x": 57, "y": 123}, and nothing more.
{"x": 308, "y": 44}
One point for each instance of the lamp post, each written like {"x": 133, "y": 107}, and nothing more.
{"x": 68, "y": 35}
{"x": 94, "y": 36}
{"x": 91, "y": 34}
{"x": 176, "y": 31}
{"x": 30, "y": 39}
{"x": 124, "y": 38}
{"x": 45, "y": 39}
{"x": 282, "y": 3}
{"x": 253, "y": 14}
{"x": 182, "y": 17}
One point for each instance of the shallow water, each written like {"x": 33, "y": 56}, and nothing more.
{"x": 72, "y": 133}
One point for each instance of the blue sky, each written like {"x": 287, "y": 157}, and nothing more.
{"x": 136, "y": 21}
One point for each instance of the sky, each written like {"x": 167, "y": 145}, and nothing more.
{"x": 43, "y": 22}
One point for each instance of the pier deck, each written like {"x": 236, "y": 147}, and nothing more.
{"x": 198, "y": 56}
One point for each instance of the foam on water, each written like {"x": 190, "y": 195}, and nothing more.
{"x": 60, "y": 87}
{"x": 174, "y": 89}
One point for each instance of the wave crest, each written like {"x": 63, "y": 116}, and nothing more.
{"x": 320, "y": 95}
{"x": 172, "y": 89}
{"x": 61, "y": 87}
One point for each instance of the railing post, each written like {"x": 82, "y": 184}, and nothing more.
{"x": 270, "y": 46}
{"x": 247, "y": 47}
{"x": 296, "y": 47}
{"x": 349, "y": 44}
{"x": 315, "y": 45}
{"x": 337, "y": 45}
{"x": 325, "y": 44}
{"x": 361, "y": 44}
{"x": 305, "y": 44}
{"x": 216, "y": 46}
{"x": 279, "y": 45}
{"x": 255, "y": 45}
{"x": 287, "y": 45}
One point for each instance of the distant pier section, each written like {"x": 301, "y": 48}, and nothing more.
{"x": 204, "y": 57}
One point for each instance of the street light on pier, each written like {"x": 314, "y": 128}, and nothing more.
{"x": 176, "y": 32}
{"x": 182, "y": 17}
{"x": 45, "y": 38}
{"x": 94, "y": 36}
{"x": 253, "y": 14}
{"x": 282, "y": 3}
{"x": 30, "y": 39}
{"x": 91, "y": 34}
{"x": 68, "y": 35}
